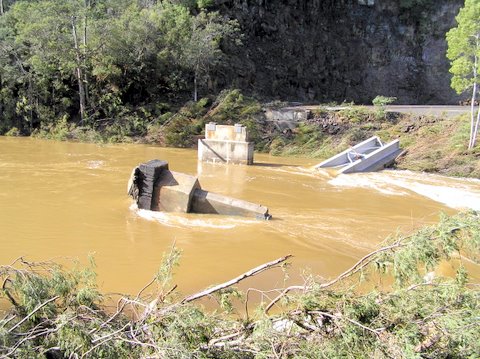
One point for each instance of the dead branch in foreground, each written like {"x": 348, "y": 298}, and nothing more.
{"x": 236, "y": 280}
{"x": 362, "y": 263}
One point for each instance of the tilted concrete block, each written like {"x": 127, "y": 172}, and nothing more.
{"x": 208, "y": 202}
{"x": 142, "y": 181}
{"x": 173, "y": 192}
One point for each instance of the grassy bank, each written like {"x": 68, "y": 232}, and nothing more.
{"x": 431, "y": 144}
{"x": 58, "y": 313}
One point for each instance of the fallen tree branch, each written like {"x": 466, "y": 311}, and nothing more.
{"x": 40, "y": 306}
{"x": 263, "y": 295}
{"x": 362, "y": 263}
{"x": 30, "y": 336}
{"x": 284, "y": 293}
{"x": 111, "y": 334}
{"x": 7, "y": 293}
{"x": 121, "y": 304}
{"x": 236, "y": 280}
{"x": 215, "y": 341}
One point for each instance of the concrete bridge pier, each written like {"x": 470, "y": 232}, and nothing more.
{"x": 227, "y": 144}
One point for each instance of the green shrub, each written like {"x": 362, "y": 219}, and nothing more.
{"x": 13, "y": 132}
{"x": 231, "y": 107}
{"x": 277, "y": 146}
{"x": 355, "y": 114}
{"x": 382, "y": 101}
{"x": 59, "y": 130}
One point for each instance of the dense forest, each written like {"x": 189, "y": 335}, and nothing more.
{"x": 118, "y": 67}
{"x": 101, "y": 62}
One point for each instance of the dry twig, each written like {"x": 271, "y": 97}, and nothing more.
{"x": 236, "y": 280}
{"x": 362, "y": 263}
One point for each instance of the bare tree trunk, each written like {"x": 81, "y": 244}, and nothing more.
{"x": 30, "y": 95}
{"x": 1, "y": 7}
{"x": 195, "y": 90}
{"x": 475, "y": 130}
{"x": 472, "y": 113}
{"x": 81, "y": 88}
{"x": 85, "y": 24}
{"x": 85, "y": 75}
{"x": 471, "y": 143}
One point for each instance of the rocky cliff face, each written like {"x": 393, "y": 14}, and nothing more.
{"x": 336, "y": 50}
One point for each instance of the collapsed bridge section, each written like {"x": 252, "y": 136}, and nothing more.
{"x": 367, "y": 156}
{"x": 154, "y": 187}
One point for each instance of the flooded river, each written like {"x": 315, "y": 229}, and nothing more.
{"x": 62, "y": 199}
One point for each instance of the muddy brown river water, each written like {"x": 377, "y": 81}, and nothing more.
{"x": 60, "y": 199}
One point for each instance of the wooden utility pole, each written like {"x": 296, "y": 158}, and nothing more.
{"x": 81, "y": 85}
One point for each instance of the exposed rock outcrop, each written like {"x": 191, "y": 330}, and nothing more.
{"x": 324, "y": 50}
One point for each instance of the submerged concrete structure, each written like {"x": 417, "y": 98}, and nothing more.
{"x": 227, "y": 144}
{"x": 367, "y": 156}
{"x": 155, "y": 187}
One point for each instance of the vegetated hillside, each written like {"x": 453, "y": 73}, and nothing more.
{"x": 430, "y": 143}
{"x": 305, "y": 50}
{"x": 120, "y": 67}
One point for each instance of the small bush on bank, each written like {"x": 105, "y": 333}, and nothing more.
{"x": 356, "y": 114}
{"x": 382, "y": 101}
{"x": 232, "y": 107}
{"x": 13, "y": 132}
{"x": 184, "y": 127}
{"x": 59, "y": 130}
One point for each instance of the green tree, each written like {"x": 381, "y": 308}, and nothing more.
{"x": 202, "y": 49}
{"x": 47, "y": 55}
{"x": 463, "y": 52}
{"x": 106, "y": 63}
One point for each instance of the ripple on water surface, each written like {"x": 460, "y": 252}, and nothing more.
{"x": 68, "y": 199}
{"x": 455, "y": 193}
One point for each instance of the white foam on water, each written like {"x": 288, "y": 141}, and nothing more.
{"x": 299, "y": 171}
{"x": 324, "y": 172}
{"x": 95, "y": 164}
{"x": 368, "y": 181}
{"x": 455, "y": 197}
{"x": 184, "y": 221}
{"x": 458, "y": 193}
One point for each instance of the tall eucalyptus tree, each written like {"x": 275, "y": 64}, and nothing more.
{"x": 464, "y": 54}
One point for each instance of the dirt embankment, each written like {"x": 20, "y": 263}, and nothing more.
{"x": 431, "y": 143}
